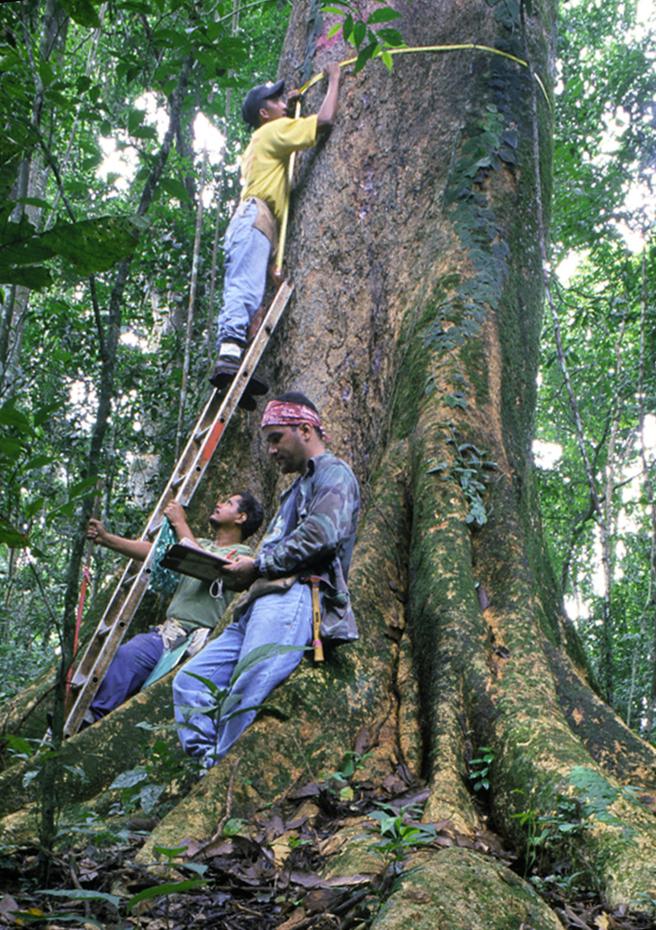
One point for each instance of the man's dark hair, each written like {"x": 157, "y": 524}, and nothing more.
{"x": 254, "y": 511}
{"x": 295, "y": 397}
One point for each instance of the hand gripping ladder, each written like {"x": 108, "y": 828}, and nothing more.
{"x": 182, "y": 484}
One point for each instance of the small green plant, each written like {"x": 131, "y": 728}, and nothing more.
{"x": 338, "y": 781}
{"x": 144, "y": 786}
{"x": 70, "y": 894}
{"x": 546, "y": 832}
{"x": 137, "y": 791}
{"x": 471, "y": 469}
{"x": 19, "y": 747}
{"x": 226, "y": 701}
{"x": 172, "y": 859}
{"x": 479, "y": 769}
{"x": 295, "y": 842}
{"x": 400, "y": 833}
{"x": 566, "y": 882}
{"x": 233, "y": 827}
{"x": 536, "y": 835}
{"x": 80, "y": 822}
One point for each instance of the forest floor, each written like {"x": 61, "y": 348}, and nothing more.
{"x": 265, "y": 874}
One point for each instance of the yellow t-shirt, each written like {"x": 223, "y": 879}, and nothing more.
{"x": 264, "y": 163}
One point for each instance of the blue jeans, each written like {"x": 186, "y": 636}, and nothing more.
{"x": 246, "y": 258}
{"x": 130, "y": 667}
{"x": 284, "y": 619}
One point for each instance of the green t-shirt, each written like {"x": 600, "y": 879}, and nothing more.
{"x": 192, "y": 605}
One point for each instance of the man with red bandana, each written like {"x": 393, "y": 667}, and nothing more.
{"x": 313, "y": 533}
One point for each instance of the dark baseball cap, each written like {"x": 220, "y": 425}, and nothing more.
{"x": 256, "y": 96}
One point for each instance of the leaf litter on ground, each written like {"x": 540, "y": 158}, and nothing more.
{"x": 267, "y": 873}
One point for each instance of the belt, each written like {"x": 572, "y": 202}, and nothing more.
{"x": 264, "y": 220}
{"x": 172, "y": 632}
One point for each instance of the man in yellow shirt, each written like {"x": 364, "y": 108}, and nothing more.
{"x": 252, "y": 232}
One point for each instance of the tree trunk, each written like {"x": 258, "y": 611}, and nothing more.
{"x": 108, "y": 336}
{"x": 30, "y": 182}
{"x": 415, "y": 249}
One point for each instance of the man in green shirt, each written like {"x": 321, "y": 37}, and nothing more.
{"x": 195, "y": 607}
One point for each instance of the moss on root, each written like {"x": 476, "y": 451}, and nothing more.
{"x": 458, "y": 889}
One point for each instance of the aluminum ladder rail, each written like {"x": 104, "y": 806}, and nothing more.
{"x": 189, "y": 470}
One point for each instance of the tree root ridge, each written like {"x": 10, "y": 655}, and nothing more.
{"x": 609, "y": 741}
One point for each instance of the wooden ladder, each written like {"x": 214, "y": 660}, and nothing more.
{"x": 189, "y": 470}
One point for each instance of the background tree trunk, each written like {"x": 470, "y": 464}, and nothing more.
{"x": 415, "y": 250}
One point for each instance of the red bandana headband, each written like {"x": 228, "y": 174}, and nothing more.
{"x": 286, "y": 413}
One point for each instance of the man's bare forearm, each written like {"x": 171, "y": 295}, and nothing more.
{"x": 137, "y": 549}
{"x": 328, "y": 109}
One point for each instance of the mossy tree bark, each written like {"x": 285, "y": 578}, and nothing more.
{"x": 415, "y": 250}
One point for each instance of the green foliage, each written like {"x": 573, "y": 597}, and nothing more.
{"x": 137, "y": 791}
{"x": 233, "y": 827}
{"x": 164, "y": 889}
{"x": 83, "y": 825}
{"x": 604, "y": 147}
{"x": 87, "y": 246}
{"x": 81, "y": 894}
{"x": 145, "y": 787}
{"x": 548, "y": 835}
{"x": 471, "y": 470}
{"x": 479, "y": 768}
{"x": 607, "y": 84}
{"x": 595, "y": 794}
{"x": 400, "y": 834}
{"x": 366, "y": 31}
{"x": 67, "y": 213}
{"x": 339, "y": 780}
{"x": 172, "y": 858}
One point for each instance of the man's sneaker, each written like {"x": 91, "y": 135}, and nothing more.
{"x": 227, "y": 366}
{"x": 224, "y": 371}
{"x": 247, "y": 402}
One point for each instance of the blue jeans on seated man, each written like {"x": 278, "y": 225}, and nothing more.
{"x": 246, "y": 257}
{"x": 284, "y": 619}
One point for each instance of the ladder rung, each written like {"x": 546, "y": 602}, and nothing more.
{"x": 202, "y": 433}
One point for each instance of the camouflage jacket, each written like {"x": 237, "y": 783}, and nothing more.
{"x": 313, "y": 532}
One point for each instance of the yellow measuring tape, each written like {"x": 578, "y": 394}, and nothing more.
{"x": 282, "y": 238}
{"x": 405, "y": 50}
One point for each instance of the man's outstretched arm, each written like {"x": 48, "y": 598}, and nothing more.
{"x": 328, "y": 109}
{"x": 132, "y": 548}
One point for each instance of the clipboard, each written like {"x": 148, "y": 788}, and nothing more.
{"x": 198, "y": 563}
